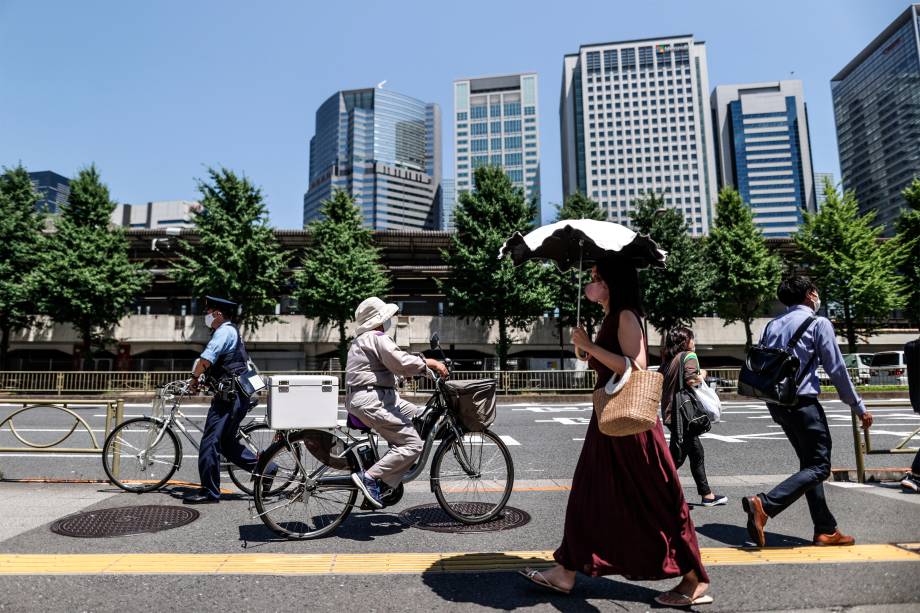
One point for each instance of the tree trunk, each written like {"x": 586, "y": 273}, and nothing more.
{"x": 343, "y": 345}
{"x": 4, "y": 344}
{"x": 850, "y": 326}
{"x": 87, "y": 335}
{"x": 561, "y": 345}
{"x": 502, "y": 348}
{"x": 748, "y": 319}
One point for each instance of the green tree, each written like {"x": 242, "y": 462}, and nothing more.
{"x": 852, "y": 268}
{"x": 237, "y": 255}
{"x": 909, "y": 242}
{"x": 567, "y": 285}
{"x": 340, "y": 269}
{"x": 676, "y": 294}
{"x": 747, "y": 272}
{"x": 480, "y": 285}
{"x": 20, "y": 249}
{"x": 86, "y": 276}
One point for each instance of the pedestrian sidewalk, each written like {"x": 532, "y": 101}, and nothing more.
{"x": 25, "y": 506}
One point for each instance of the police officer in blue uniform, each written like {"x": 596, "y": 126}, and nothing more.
{"x": 223, "y": 359}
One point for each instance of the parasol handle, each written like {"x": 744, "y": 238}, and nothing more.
{"x": 579, "y": 354}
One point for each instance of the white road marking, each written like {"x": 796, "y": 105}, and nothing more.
{"x": 566, "y": 421}
{"x": 546, "y": 409}
{"x": 509, "y": 441}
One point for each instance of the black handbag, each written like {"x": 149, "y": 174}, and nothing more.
{"x": 769, "y": 373}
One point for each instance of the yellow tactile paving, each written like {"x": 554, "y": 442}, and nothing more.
{"x": 391, "y": 563}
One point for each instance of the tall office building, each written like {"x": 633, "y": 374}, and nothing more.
{"x": 877, "y": 110}
{"x": 384, "y": 149}
{"x": 764, "y": 151}
{"x": 496, "y": 123}
{"x": 54, "y": 190}
{"x": 820, "y": 178}
{"x": 448, "y": 203}
{"x": 634, "y": 119}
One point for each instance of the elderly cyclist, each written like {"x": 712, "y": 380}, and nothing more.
{"x": 374, "y": 362}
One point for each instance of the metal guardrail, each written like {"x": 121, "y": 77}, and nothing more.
{"x": 114, "y": 414}
{"x": 510, "y": 381}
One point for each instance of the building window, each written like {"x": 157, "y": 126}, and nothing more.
{"x": 512, "y": 142}
{"x": 496, "y": 143}
{"x": 513, "y": 108}
{"x": 594, "y": 62}
{"x": 480, "y": 160}
{"x": 610, "y": 60}
{"x": 496, "y": 160}
{"x": 530, "y": 110}
{"x": 495, "y": 110}
{"x": 461, "y": 116}
{"x": 478, "y": 112}
{"x": 628, "y": 59}
{"x": 496, "y": 127}
{"x": 513, "y": 159}
{"x": 645, "y": 57}
{"x": 479, "y": 144}
{"x": 513, "y": 125}
{"x": 479, "y": 129}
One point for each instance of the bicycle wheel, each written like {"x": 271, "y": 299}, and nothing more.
{"x": 133, "y": 458}
{"x": 308, "y": 498}
{"x": 472, "y": 478}
{"x": 257, "y": 438}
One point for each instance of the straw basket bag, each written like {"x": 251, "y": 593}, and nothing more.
{"x": 629, "y": 405}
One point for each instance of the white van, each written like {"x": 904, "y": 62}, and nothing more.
{"x": 888, "y": 368}
{"x": 858, "y": 365}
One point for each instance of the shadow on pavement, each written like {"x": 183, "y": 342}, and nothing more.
{"x": 737, "y": 536}
{"x": 509, "y": 590}
{"x": 358, "y": 527}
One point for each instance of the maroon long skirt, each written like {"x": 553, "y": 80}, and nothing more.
{"x": 626, "y": 513}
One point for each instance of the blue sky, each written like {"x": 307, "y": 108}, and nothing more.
{"x": 155, "y": 92}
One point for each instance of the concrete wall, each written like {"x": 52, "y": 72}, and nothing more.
{"x": 295, "y": 333}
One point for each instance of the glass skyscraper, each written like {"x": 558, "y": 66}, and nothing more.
{"x": 54, "y": 190}
{"x": 764, "y": 151}
{"x": 496, "y": 123}
{"x": 820, "y": 178}
{"x": 877, "y": 111}
{"x": 635, "y": 119}
{"x": 384, "y": 149}
{"x": 448, "y": 203}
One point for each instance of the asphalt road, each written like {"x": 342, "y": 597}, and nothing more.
{"x": 745, "y": 454}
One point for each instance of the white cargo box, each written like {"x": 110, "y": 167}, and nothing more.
{"x": 303, "y": 401}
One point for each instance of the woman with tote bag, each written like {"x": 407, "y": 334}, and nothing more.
{"x": 626, "y": 513}
{"x": 683, "y": 367}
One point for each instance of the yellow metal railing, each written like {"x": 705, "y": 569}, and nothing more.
{"x": 510, "y": 381}
{"x": 114, "y": 414}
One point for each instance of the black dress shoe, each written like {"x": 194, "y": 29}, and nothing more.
{"x": 199, "y": 499}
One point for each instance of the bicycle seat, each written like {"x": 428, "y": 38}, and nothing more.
{"x": 356, "y": 424}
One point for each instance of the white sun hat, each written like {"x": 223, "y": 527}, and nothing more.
{"x": 372, "y": 313}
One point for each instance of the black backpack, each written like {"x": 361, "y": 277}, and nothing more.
{"x": 770, "y": 373}
{"x": 687, "y": 416}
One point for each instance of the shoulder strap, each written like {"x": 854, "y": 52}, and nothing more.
{"x": 798, "y": 333}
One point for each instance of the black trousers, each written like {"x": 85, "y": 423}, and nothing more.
{"x": 806, "y": 428}
{"x": 915, "y": 467}
{"x": 692, "y": 448}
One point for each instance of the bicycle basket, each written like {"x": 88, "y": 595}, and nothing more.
{"x": 473, "y": 402}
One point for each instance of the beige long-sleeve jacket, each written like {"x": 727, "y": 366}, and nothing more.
{"x": 374, "y": 359}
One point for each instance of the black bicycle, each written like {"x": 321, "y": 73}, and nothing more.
{"x": 312, "y": 493}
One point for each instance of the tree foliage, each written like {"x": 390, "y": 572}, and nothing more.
{"x": 747, "y": 273}
{"x": 853, "y": 270}
{"x": 237, "y": 255}
{"x": 20, "y": 250}
{"x": 676, "y": 294}
{"x": 340, "y": 269}
{"x": 481, "y": 286}
{"x": 86, "y": 276}
{"x": 909, "y": 242}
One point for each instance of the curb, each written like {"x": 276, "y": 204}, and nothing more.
{"x": 873, "y": 475}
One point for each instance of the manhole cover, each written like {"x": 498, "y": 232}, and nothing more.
{"x": 123, "y": 521}
{"x": 433, "y": 517}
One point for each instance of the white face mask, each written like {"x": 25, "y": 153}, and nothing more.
{"x": 209, "y": 319}
{"x": 387, "y": 325}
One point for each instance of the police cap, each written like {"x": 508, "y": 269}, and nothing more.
{"x": 227, "y": 307}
